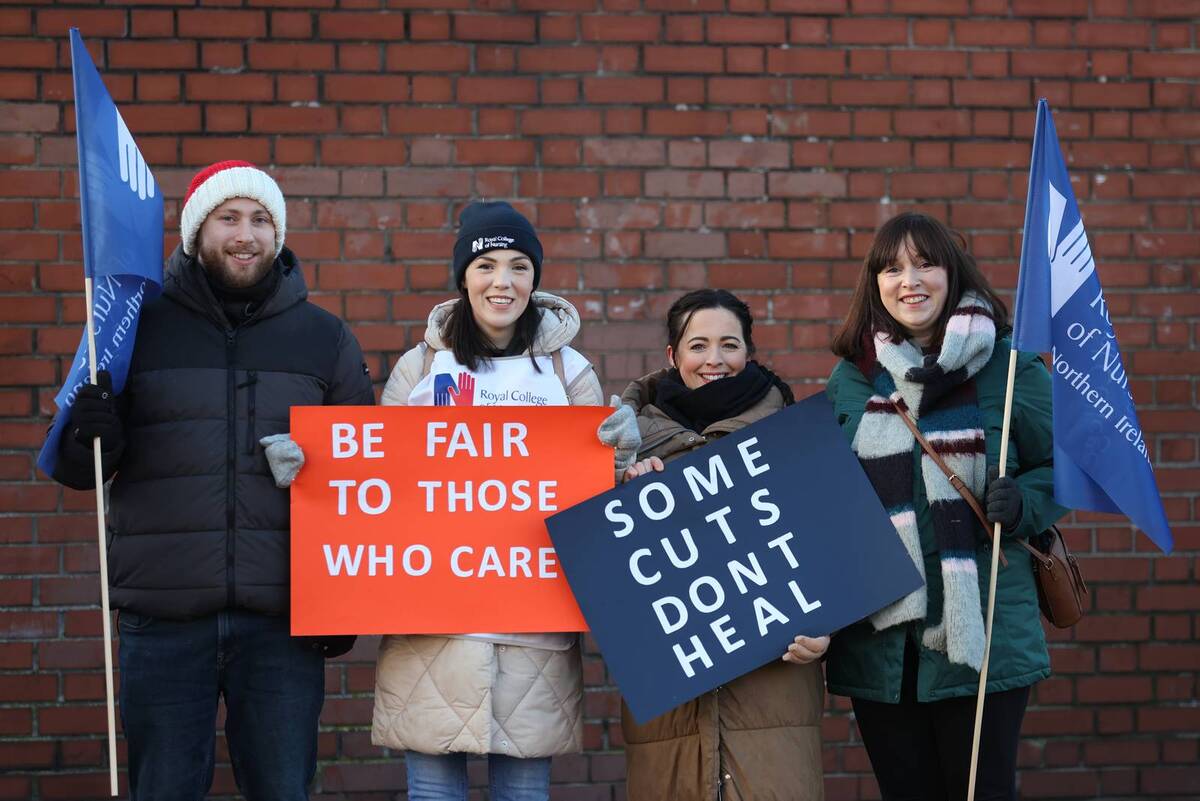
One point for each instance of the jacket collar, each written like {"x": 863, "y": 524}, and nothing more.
{"x": 657, "y": 427}
{"x": 186, "y": 284}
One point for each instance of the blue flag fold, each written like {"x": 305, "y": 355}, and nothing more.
{"x": 1101, "y": 460}
{"x": 121, "y": 211}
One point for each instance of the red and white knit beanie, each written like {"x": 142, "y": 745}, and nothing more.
{"x": 219, "y": 182}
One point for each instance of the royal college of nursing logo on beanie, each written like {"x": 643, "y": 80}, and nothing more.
{"x": 491, "y": 243}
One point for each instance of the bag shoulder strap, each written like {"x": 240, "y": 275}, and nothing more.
{"x": 557, "y": 360}
{"x": 427, "y": 363}
{"x": 957, "y": 482}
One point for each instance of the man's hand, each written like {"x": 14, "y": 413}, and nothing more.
{"x": 94, "y": 414}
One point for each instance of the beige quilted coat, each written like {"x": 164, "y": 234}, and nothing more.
{"x": 445, "y": 694}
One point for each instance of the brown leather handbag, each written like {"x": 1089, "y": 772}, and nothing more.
{"x": 1062, "y": 592}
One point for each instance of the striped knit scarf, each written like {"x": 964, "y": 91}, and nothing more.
{"x": 938, "y": 390}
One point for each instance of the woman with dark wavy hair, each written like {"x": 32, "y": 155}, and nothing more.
{"x": 927, "y": 337}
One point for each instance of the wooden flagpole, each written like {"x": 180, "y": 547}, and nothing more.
{"x": 991, "y": 610}
{"x": 103, "y": 543}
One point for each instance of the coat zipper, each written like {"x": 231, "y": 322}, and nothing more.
{"x": 250, "y": 385}
{"x": 230, "y": 464}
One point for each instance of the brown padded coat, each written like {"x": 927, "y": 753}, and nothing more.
{"x": 757, "y": 738}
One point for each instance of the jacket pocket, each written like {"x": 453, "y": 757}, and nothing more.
{"x": 132, "y": 621}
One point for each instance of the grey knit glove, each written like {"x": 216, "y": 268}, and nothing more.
{"x": 285, "y": 458}
{"x": 620, "y": 432}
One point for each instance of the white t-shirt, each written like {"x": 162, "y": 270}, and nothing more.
{"x": 502, "y": 381}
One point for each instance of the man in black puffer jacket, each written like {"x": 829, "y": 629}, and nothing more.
{"x": 198, "y": 531}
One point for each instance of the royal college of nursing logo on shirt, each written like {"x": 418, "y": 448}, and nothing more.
{"x": 463, "y": 392}
{"x": 447, "y": 392}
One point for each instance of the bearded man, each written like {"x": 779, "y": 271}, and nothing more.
{"x": 198, "y": 531}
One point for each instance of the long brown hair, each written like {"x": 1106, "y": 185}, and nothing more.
{"x": 933, "y": 242}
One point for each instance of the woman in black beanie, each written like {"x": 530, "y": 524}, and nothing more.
{"x": 516, "y": 698}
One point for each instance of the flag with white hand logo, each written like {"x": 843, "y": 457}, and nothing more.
{"x": 122, "y": 220}
{"x": 1101, "y": 456}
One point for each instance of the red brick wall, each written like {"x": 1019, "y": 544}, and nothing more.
{"x": 659, "y": 145}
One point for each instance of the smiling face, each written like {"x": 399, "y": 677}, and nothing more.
{"x": 499, "y": 284}
{"x": 236, "y": 243}
{"x": 913, "y": 292}
{"x": 712, "y": 347}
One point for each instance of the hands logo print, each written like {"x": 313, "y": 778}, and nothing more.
{"x": 134, "y": 170}
{"x": 447, "y": 393}
{"x": 1071, "y": 262}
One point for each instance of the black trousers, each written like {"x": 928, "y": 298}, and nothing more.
{"x": 922, "y": 751}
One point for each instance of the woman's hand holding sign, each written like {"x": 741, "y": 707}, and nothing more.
{"x": 804, "y": 650}
{"x": 643, "y": 467}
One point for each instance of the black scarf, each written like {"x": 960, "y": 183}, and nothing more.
{"x": 240, "y": 303}
{"x": 699, "y": 408}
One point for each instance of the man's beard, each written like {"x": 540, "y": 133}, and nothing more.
{"x": 213, "y": 260}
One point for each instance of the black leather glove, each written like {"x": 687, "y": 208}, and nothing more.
{"x": 1003, "y": 500}
{"x": 334, "y": 645}
{"x": 94, "y": 414}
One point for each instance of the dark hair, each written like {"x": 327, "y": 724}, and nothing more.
{"x": 471, "y": 345}
{"x": 679, "y": 316}
{"x": 682, "y": 311}
{"x": 933, "y": 242}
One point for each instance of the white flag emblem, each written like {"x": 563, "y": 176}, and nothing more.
{"x": 133, "y": 167}
{"x": 1071, "y": 260}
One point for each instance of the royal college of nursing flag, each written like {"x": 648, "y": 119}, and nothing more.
{"x": 122, "y": 220}
{"x": 1101, "y": 461}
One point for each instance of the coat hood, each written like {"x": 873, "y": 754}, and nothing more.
{"x": 559, "y": 324}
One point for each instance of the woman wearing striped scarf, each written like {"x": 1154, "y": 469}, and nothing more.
{"x": 927, "y": 336}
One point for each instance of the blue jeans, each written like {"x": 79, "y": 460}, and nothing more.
{"x": 172, "y": 674}
{"x": 443, "y": 777}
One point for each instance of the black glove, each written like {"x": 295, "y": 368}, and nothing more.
{"x": 334, "y": 644}
{"x": 1003, "y": 500}
{"x": 94, "y": 414}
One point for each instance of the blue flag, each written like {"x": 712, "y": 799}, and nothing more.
{"x": 121, "y": 210}
{"x": 1101, "y": 461}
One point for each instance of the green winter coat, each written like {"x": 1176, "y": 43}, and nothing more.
{"x": 864, "y": 663}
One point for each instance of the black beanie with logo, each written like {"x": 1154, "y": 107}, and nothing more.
{"x": 494, "y": 225}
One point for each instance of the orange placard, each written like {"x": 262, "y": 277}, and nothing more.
{"x": 429, "y": 519}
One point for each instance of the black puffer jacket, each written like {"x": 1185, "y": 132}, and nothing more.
{"x": 196, "y": 523}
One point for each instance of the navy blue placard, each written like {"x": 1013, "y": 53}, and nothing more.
{"x": 785, "y": 526}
